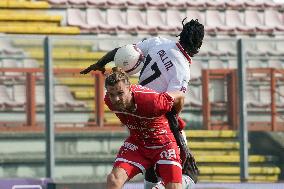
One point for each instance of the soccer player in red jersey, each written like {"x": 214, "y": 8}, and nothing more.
{"x": 151, "y": 142}
{"x": 166, "y": 68}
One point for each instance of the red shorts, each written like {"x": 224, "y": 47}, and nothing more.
{"x": 135, "y": 159}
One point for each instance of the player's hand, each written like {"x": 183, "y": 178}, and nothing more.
{"x": 94, "y": 67}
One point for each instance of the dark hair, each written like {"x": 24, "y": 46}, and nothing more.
{"x": 191, "y": 36}
{"x": 116, "y": 75}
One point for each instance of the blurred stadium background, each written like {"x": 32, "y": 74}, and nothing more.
{"x": 88, "y": 135}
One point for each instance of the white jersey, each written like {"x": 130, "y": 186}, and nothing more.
{"x": 166, "y": 66}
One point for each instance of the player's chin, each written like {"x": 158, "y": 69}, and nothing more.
{"x": 120, "y": 107}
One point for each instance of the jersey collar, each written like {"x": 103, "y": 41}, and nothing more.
{"x": 184, "y": 52}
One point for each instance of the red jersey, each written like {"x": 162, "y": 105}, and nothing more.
{"x": 148, "y": 124}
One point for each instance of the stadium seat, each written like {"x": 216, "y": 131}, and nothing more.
{"x": 194, "y": 97}
{"x": 13, "y": 15}
{"x": 14, "y": 4}
{"x": 280, "y": 99}
{"x": 277, "y": 64}
{"x": 216, "y": 64}
{"x": 235, "y": 4}
{"x": 254, "y": 4}
{"x": 78, "y": 2}
{"x": 12, "y": 63}
{"x": 63, "y": 97}
{"x": 214, "y": 49}
{"x": 181, "y": 4}
{"x": 97, "y": 3}
{"x": 30, "y": 63}
{"x": 199, "y": 4}
{"x": 78, "y": 81}
{"x": 254, "y": 19}
{"x": 208, "y": 48}
{"x": 39, "y": 30}
{"x": 200, "y": 16}
{"x": 274, "y": 19}
{"x": 233, "y": 64}
{"x": 262, "y": 48}
{"x": 269, "y": 48}
{"x": 174, "y": 19}
{"x": 228, "y": 48}
{"x": 233, "y": 19}
{"x": 235, "y": 170}
{"x": 137, "y": 3}
{"x": 225, "y": 134}
{"x": 76, "y": 17}
{"x": 97, "y": 20}
{"x": 280, "y": 47}
{"x": 7, "y": 48}
{"x": 272, "y": 4}
{"x": 117, "y": 18}
{"x": 217, "y": 93}
{"x": 117, "y": 3}
{"x": 213, "y": 145}
{"x": 253, "y": 98}
{"x": 5, "y": 99}
{"x": 19, "y": 94}
{"x": 220, "y": 4}
{"x": 160, "y": 4}
{"x": 106, "y": 45}
{"x": 256, "y": 64}
{"x": 265, "y": 96}
{"x": 156, "y": 18}
{"x": 137, "y": 18}
{"x": 215, "y": 19}
{"x": 65, "y": 54}
{"x": 58, "y": 2}
{"x": 195, "y": 70}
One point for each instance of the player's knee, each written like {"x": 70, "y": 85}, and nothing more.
{"x": 187, "y": 182}
{"x": 172, "y": 185}
{"x": 114, "y": 181}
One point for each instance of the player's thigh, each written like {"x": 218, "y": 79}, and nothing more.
{"x": 117, "y": 177}
{"x": 168, "y": 164}
{"x": 173, "y": 186}
{"x": 132, "y": 159}
{"x": 131, "y": 170}
{"x": 169, "y": 173}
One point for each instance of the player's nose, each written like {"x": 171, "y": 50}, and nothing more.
{"x": 116, "y": 98}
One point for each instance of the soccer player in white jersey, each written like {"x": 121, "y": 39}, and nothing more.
{"x": 166, "y": 68}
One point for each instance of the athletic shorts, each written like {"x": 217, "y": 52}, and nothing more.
{"x": 135, "y": 159}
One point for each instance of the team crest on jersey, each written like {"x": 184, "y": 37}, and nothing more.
{"x": 183, "y": 89}
{"x": 130, "y": 146}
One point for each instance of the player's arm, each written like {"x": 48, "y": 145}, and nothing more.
{"x": 156, "y": 104}
{"x": 101, "y": 62}
{"x": 178, "y": 101}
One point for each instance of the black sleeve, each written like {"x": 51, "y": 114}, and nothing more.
{"x": 107, "y": 58}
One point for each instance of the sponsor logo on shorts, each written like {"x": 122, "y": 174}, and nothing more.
{"x": 130, "y": 146}
{"x": 168, "y": 154}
